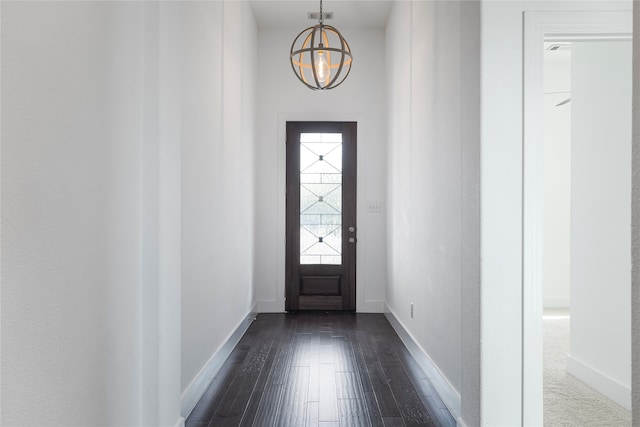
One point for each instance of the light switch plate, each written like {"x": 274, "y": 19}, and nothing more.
{"x": 374, "y": 207}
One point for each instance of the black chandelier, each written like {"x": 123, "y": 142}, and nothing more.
{"x": 320, "y": 56}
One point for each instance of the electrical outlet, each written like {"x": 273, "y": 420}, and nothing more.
{"x": 411, "y": 310}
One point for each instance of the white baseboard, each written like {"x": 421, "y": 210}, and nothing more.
{"x": 445, "y": 390}
{"x": 199, "y": 385}
{"x": 556, "y": 303}
{"x": 278, "y": 307}
{"x": 600, "y": 382}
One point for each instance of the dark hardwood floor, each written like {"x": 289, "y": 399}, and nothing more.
{"x": 320, "y": 369}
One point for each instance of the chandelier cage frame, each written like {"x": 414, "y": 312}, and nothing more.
{"x": 308, "y": 38}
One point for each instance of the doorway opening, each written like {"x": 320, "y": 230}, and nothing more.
{"x": 561, "y": 27}
{"x": 586, "y": 231}
{"x": 321, "y": 160}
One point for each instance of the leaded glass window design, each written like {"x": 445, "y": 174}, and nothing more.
{"x": 321, "y": 198}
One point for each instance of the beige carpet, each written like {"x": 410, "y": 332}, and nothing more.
{"x": 567, "y": 400}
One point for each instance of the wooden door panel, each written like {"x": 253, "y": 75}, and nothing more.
{"x": 320, "y": 285}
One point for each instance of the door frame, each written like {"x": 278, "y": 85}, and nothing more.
{"x": 347, "y": 269}
{"x": 538, "y": 28}
{"x": 280, "y": 245}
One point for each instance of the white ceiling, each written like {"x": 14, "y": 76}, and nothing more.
{"x": 347, "y": 13}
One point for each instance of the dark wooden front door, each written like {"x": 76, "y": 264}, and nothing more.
{"x": 321, "y": 216}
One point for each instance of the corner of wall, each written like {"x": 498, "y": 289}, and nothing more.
{"x": 635, "y": 220}
{"x": 198, "y": 386}
{"x": 600, "y": 381}
{"x": 444, "y": 388}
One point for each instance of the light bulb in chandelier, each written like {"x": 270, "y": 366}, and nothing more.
{"x": 322, "y": 68}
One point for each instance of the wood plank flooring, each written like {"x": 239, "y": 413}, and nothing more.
{"x": 320, "y": 369}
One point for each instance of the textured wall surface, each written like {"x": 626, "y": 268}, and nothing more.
{"x": 635, "y": 236}
{"x": 91, "y": 204}
{"x": 218, "y": 87}
{"x": 434, "y": 186}
{"x": 470, "y": 303}
{"x": 425, "y": 179}
{"x": 72, "y": 102}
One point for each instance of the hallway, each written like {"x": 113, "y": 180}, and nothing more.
{"x": 143, "y": 213}
{"x": 320, "y": 369}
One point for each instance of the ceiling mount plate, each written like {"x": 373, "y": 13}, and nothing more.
{"x": 316, "y": 15}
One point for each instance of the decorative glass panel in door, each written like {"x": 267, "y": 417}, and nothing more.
{"x": 321, "y": 198}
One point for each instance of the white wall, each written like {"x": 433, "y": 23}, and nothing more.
{"x": 218, "y": 86}
{"x": 600, "y": 217}
{"x": 501, "y": 226}
{"x": 635, "y": 301}
{"x": 470, "y": 289}
{"x": 161, "y": 233}
{"x": 122, "y": 156}
{"x": 281, "y": 98}
{"x": 81, "y": 233}
{"x": 557, "y": 180}
{"x": 433, "y": 186}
